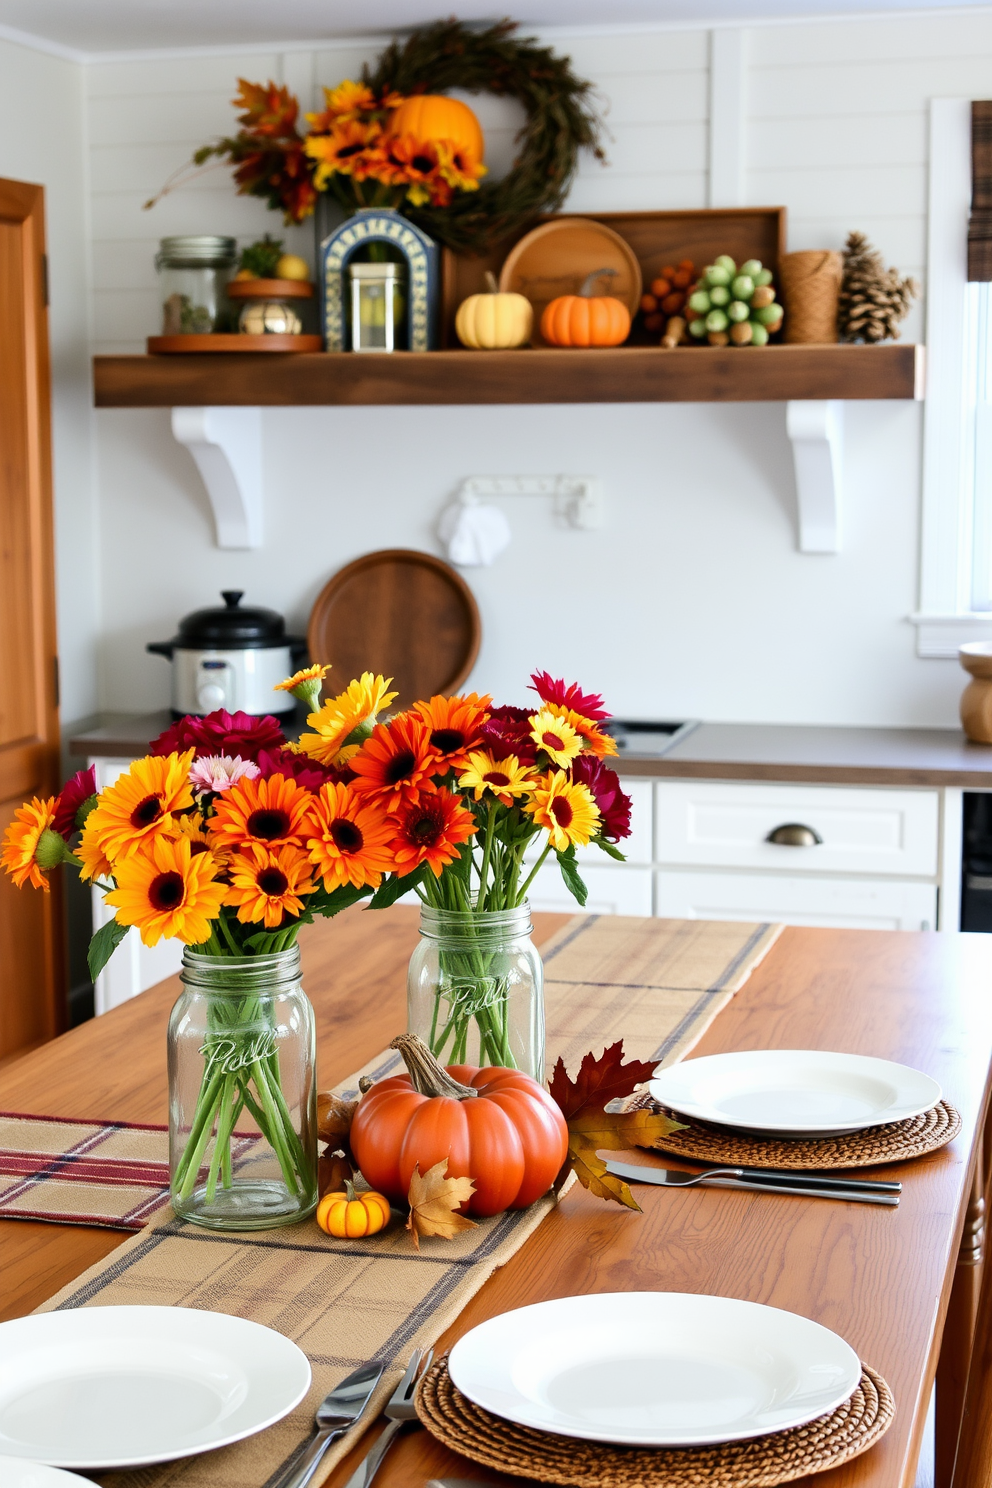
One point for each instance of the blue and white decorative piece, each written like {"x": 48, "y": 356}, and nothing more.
{"x": 422, "y": 255}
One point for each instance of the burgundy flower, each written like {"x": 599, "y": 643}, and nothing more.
{"x": 220, "y": 733}
{"x": 614, "y": 806}
{"x": 75, "y": 793}
{"x": 307, "y": 772}
{"x": 553, "y": 690}
{"x": 507, "y": 731}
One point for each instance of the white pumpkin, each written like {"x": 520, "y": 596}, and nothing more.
{"x": 494, "y": 321}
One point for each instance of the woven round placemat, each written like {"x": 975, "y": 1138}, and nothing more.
{"x": 780, "y": 1458}
{"x": 896, "y": 1142}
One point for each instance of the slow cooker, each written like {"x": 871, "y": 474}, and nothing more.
{"x": 231, "y": 658}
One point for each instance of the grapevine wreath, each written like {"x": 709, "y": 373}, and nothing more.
{"x": 271, "y": 159}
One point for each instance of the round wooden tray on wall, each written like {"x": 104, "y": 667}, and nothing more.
{"x": 403, "y": 613}
{"x": 556, "y": 257}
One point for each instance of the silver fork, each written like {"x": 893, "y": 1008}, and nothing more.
{"x": 399, "y": 1410}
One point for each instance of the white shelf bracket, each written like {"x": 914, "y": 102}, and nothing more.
{"x": 815, "y": 430}
{"x": 226, "y": 444}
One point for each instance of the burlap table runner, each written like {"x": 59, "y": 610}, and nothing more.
{"x": 657, "y": 984}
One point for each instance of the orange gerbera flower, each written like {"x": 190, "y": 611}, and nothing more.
{"x": 596, "y": 740}
{"x": 429, "y": 831}
{"x": 343, "y": 150}
{"x": 559, "y": 740}
{"x": 140, "y": 804}
{"x": 266, "y": 884}
{"x": 164, "y": 890}
{"x": 351, "y": 841}
{"x": 416, "y": 164}
{"x": 21, "y": 843}
{"x": 568, "y": 812}
{"x": 268, "y": 812}
{"x": 453, "y": 725}
{"x": 395, "y": 763}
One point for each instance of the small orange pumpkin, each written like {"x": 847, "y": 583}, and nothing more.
{"x": 351, "y": 1215}
{"x": 432, "y": 116}
{"x": 586, "y": 319}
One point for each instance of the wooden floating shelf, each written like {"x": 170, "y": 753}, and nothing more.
{"x": 618, "y": 375}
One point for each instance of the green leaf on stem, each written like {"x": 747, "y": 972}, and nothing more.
{"x": 392, "y": 888}
{"x": 611, "y": 850}
{"x": 570, "y": 873}
{"x": 104, "y": 944}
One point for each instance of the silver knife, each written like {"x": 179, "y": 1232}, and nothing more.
{"x": 335, "y": 1415}
{"x": 734, "y": 1178}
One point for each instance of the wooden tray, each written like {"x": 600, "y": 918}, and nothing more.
{"x": 222, "y": 341}
{"x": 556, "y": 258}
{"x": 270, "y": 289}
{"x": 656, "y": 238}
{"x": 403, "y": 613}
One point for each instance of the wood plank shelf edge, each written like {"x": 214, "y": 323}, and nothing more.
{"x": 618, "y": 375}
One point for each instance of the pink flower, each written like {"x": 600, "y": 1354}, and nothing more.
{"x": 553, "y": 690}
{"x": 614, "y": 805}
{"x": 309, "y": 773}
{"x": 74, "y": 796}
{"x": 508, "y": 731}
{"x": 220, "y": 733}
{"x": 218, "y": 772}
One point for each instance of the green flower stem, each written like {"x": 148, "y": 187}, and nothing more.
{"x": 223, "y": 1142}
{"x": 522, "y": 895}
{"x": 199, "y": 1136}
{"x": 276, "y": 1135}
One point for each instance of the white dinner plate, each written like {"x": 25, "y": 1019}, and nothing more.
{"x": 126, "y": 1386}
{"x": 16, "y": 1473}
{"x": 794, "y": 1092}
{"x": 654, "y": 1369}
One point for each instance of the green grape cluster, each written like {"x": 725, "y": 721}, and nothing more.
{"x": 732, "y": 305}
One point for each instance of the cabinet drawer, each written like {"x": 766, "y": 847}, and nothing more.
{"x": 723, "y": 824}
{"x": 844, "y": 903}
{"x": 613, "y": 889}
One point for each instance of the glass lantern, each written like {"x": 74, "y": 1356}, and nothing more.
{"x": 193, "y": 276}
{"x": 378, "y": 306}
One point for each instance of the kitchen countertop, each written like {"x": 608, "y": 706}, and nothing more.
{"x": 711, "y": 751}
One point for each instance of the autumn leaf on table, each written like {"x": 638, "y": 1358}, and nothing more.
{"x": 591, "y": 1127}
{"x": 434, "y": 1202}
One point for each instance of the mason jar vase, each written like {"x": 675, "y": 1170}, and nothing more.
{"x": 242, "y": 1093}
{"x": 475, "y": 989}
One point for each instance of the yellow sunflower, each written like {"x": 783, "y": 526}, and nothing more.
{"x": 140, "y": 804}
{"x": 266, "y": 884}
{"x": 594, "y": 739}
{"x": 305, "y": 684}
{"x": 164, "y": 890}
{"x": 192, "y": 828}
{"x": 21, "y": 840}
{"x": 353, "y": 709}
{"x": 559, "y": 740}
{"x": 507, "y": 779}
{"x": 568, "y": 812}
{"x": 95, "y": 862}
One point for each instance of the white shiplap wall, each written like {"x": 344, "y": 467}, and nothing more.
{"x": 693, "y": 601}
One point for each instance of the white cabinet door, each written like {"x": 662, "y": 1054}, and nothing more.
{"x": 613, "y": 889}
{"x": 846, "y": 903}
{"x": 724, "y": 824}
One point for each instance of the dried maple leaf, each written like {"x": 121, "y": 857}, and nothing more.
{"x": 616, "y": 1131}
{"x": 599, "y": 1081}
{"x": 434, "y": 1203}
{"x": 334, "y": 1117}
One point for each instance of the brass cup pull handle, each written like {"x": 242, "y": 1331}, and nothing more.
{"x": 794, "y": 834}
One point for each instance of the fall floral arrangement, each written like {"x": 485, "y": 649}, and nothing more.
{"x": 393, "y": 137}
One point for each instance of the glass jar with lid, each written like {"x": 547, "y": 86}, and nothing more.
{"x": 193, "y": 276}
{"x": 378, "y": 306}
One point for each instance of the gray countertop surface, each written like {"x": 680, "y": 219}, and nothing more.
{"x": 711, "y": 751}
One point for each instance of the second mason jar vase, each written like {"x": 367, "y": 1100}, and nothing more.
{"x": 475, "y": 990}
{"x": 242, "y": 1093}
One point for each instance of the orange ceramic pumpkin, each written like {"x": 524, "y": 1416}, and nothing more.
{"x": 585, "y": 320}
{"x": 350, "y": 1215}
{"x": 496, "y": 1126}
{"x": 432, "y": 116}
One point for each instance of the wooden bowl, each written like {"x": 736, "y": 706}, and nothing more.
{"x": 556, "y": 257}
{"x": 402, "y": 613}
{"x": 269, "y": 289}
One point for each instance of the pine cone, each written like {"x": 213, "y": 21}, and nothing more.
{"x": 873, "y": 299}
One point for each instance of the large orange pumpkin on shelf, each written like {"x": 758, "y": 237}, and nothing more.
{"x": 432, "y": 116}
{"x": 586, "y": 319}
{"x": 496, "y": 1126}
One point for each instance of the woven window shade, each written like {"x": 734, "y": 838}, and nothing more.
{"x": 980, "y": 222}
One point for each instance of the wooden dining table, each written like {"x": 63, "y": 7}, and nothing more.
{"x": 899, "y": 1284}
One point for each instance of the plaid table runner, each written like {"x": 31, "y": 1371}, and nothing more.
{"x": 657, "y": 984}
